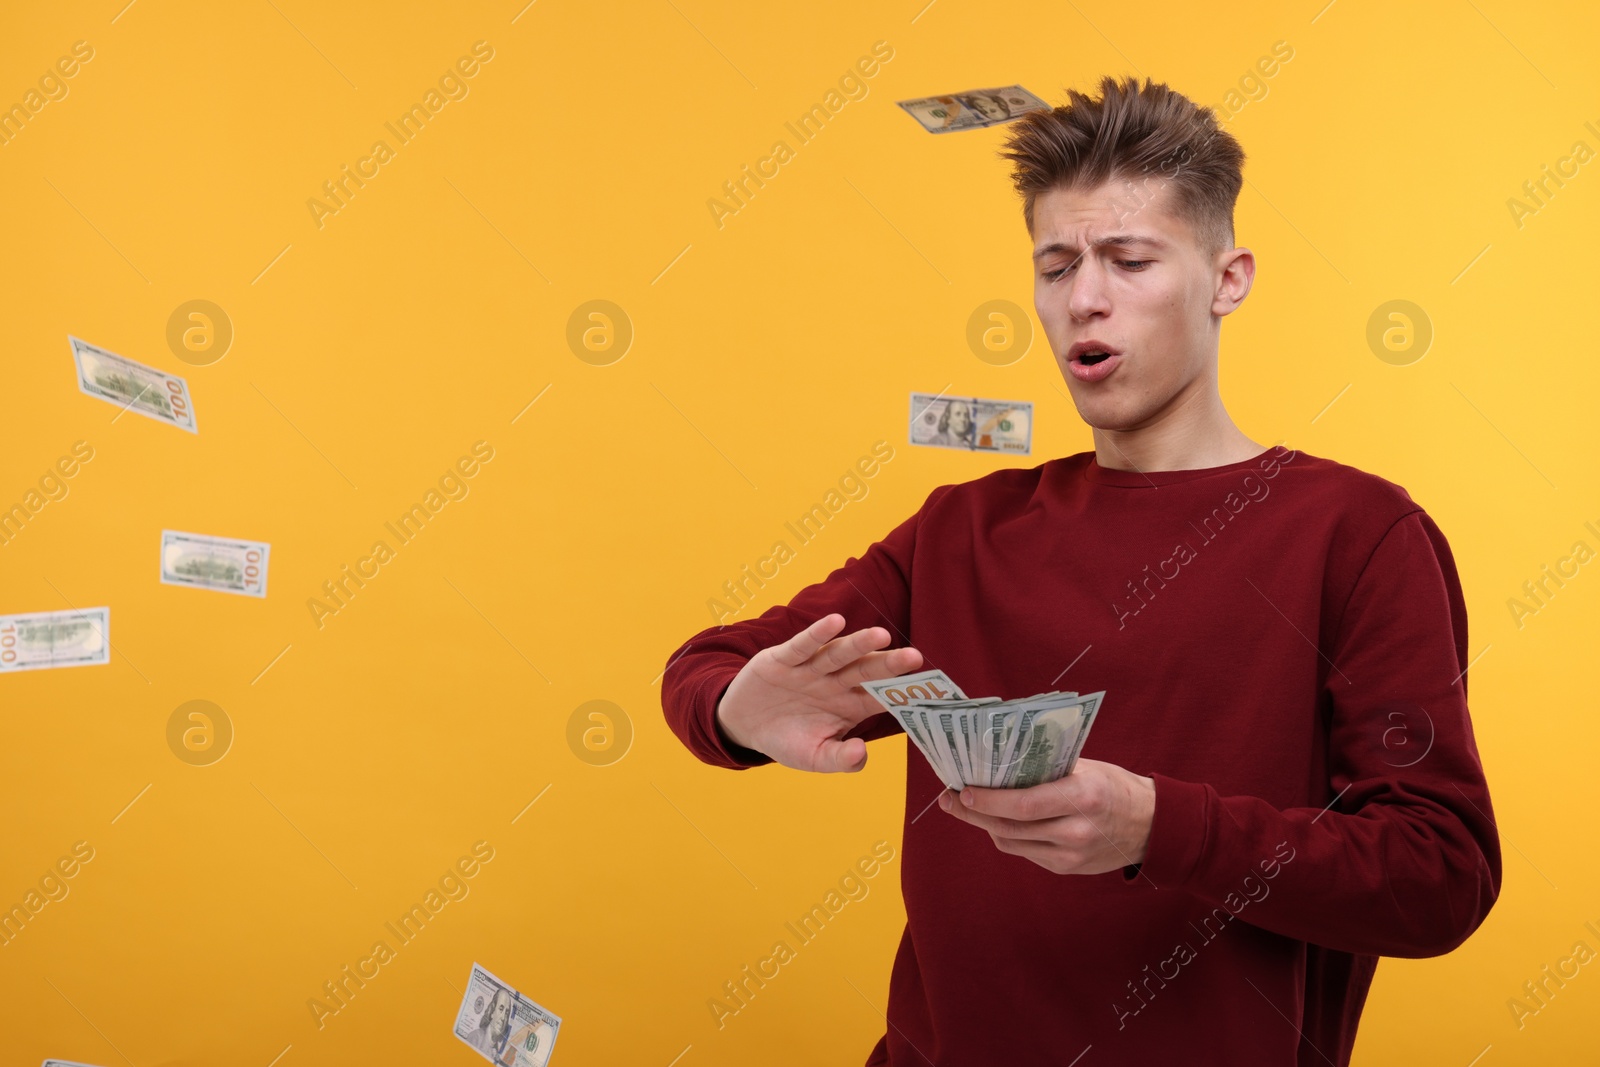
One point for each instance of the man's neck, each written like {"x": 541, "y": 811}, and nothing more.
{"x": 1198, "y": 435}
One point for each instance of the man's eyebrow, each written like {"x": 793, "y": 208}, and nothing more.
{"x": 1118, "y": 240}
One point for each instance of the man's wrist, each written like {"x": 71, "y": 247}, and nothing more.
{"x": 730, "y": 743}
{"x": 1144, "y": 790}
{"x": 1179, "y": 831}
{"x": 723, "y": 732}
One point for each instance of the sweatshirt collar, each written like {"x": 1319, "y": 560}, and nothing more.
{"x": 1132, "y": 479}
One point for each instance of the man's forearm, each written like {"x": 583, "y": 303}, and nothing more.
{"x": 1388, "y": 878}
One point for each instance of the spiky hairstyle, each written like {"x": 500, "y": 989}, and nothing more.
{"x": 1149, "y": 135}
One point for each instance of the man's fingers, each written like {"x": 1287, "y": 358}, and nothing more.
{"x": 803, "y": 645}
{"x": 842, "y": 651}
{"x": 999, "y": 826}
{"x": 875, "y": 665}
{"x": 1047, "y": 800}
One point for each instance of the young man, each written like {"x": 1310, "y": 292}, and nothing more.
{"x": 1283, "y": 785}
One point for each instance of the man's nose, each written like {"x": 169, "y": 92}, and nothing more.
{"x": 1089, "y": 295}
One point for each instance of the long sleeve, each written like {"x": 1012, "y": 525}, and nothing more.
{"x": 872, "y": 590}
{"x": 1405, "y": 859}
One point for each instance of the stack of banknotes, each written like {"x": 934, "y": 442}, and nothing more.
{"x": 988, "y": 742}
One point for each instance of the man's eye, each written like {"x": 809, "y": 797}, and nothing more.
{"x": 1132, "y": 265}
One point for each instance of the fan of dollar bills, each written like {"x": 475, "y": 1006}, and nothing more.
{"x": 988, "y": 742}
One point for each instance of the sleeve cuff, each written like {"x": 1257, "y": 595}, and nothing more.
{"x": 1178, "y": 833}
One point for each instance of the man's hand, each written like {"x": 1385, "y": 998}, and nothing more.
{"x": 1094, "y": 820}
{"x": 795, "y": 701}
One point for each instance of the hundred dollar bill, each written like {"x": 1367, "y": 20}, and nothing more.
{"x": 972, "y": 109}
{"x": 906, "y": 697}
{"x": 994, "y": 732}
{"x": 504, "y": 1026}
{"x": 1071, "y": 754}
{"x": 984, "y": 731}
{"x": 131, "y": 385}
{"x": 77, "y": 637}
{"x": 220, "y": 563}
{"x": 998, "y": 730}
{"x": 988, "y": 742}
{"x": 972, "y": 423}
{"x": 65, "y": 1063}
{"x": 1046, "y": 741}
{"x": 911, "y": 722}
{"x": 922, "y": 687}
{"x": 944, "y": 759}
{"x": 950, "y": 734}
{"x": 900, "y": 696}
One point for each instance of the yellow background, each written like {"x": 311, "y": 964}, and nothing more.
{"x": 768, "y": 355}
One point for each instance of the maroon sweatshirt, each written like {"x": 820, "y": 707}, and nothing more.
{"x": 1283, "y": 646}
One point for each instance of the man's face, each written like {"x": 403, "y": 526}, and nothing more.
{"x": 499, "y": 1013}
{"x": 1151, "y": 296}
{"x": 960, "y": 418}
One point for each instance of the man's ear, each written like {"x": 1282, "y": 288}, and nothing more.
{"x": 1236, "y": 270}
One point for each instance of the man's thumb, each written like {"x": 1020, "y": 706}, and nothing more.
{"x": 847, "y": 755}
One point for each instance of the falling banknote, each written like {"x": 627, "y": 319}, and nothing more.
{"x": 972, "y": 423}
{"x": 504, "y": 1026}
{"x": 65, "y": 1063}
{"x": 988, "y": 742}
{"x": 127, "y": 384}
{"x": 72, "y": 638}
{"x": 973, "y": 109}
{"x": 220, "y": 563}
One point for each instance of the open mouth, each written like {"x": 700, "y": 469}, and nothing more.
{"x": 1089, "y": 361}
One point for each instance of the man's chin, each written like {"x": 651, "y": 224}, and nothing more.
{"x": 1112, "y": 418}
{"x": 1100, "y": 411}
{"x": 1116, "y": 421}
